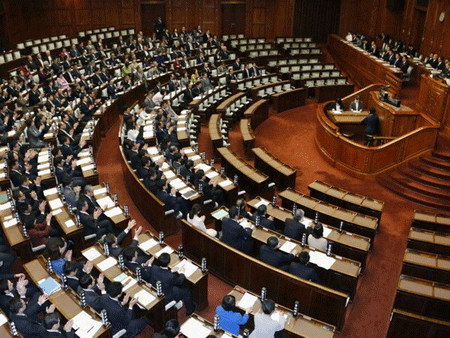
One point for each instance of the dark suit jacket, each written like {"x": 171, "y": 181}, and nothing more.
{"x": 303, "y": 271}
{"x": 26, "y": 325}
{"x": 372, "y": 123}
{"x": 118, "y": 315}
{"x": 94, "y": 299}
{"x": 294, "y": 229}
{"x": 236, "y": 236}
{"x": 169, "y": 281}
{"x": 264, "y": 222}
{"x": 274, "y": 257}
{"x": 60, "y": 334}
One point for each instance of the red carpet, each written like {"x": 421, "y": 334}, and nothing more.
{"x": 295, "y": 130}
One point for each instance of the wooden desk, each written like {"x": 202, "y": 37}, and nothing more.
{"x": 431, "y": 221}
{"x": 215, "y": 133}
{"x": 330, "y": 214}
{"x": 237, "y": 268}
{"x": 250, "y": 178}
{"x": 5, "y": 330}
{"x": 247, "y": 136}
{"x": 65, "y": 302}
{"x": 429, "y": 241}
{"x": 198, "y": 281}
{"x": 257, "y": 113}
{"x": 423, "y": 297}
{"x": 363, "y": 68}
{"x": 346, "y": 199}
{"x": 347, "y": 117}
{"x": 345, "y": 244}
{"x": 332, "y": 91}
{"x": 300, "y": 326}
{"x": 341, "y": 276}
{"x": 205, "y": 325}
{"x": 242, "y": 84}
{"x": 154, "y": 311}
{"x": 411, "y": 325}
{"x": 280, "y": 173}
{"x": 255, "y": 91}
{"x": 427, "y": 266}
{"x": 370, "y": 162}
{"x": 289, "y": 99}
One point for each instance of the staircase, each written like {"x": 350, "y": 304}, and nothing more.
{"x": 426, "y": 181}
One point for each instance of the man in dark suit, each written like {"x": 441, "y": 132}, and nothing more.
{"x": 264, "y": 221}
{"x": 374, "y": 50}
{"x": 111, "y": 90}
{"x": 294, "y": 228}
{"x": 171, "y": 283}
{"x": 114, "y": 242}
{"x": 52, "y": 327}
{"x": 93, "y": 292}
{"x": 188, "y": 95}
{"x": 91, "y": 223}
{"x": 132, "y": 262}
{"x": 357, "y": 105}
{"x": 271, "y": 255}
{"x": 25, "y": 316}
{"x": 246, "y": 73}
{"x": 372, "y": 123}
{"x": 234, "y": 234}
{"x": 237, "y": 65}
{"x": 120, "y": 313}
{"x": 171, "y": 202}
{"x": 302, "y": 270}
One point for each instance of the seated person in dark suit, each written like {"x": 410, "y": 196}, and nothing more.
{"x": 53, "y": 329}
{"x": 302, "y": 270}
{"x": 264, "y": 221}
{"x": 171, "y": 283}
{"x": 91, "y": 223}
{"x": 294, "y": 228}
{"x": 171, "y": 330}
{"x": 132, "y": 262}
{"x": 114, "y": 242}
{"x": 338, "y": 105}
{"x": 405, "y": 64}
{"x": 372, "y": 123}
{"x": 357, "y": 105}
{"x": 241, "y": 206}
{"x": 271, "y": 255}
{"x": 93, "y": 291}
{"x": 119, "y": 313}
{"x": 171, "y": 202}
{"x": 234, "y": 234}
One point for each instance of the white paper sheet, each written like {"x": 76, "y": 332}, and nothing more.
{"x": 177, "y": 184}
{"x": 107, "y": 263}
{"x": 195, "y": 157}
{"x": 69, "y": 223}
{"x": 246, "y": 224}
{"x": 202, "y": 166}
{"x": 247, "y": 301}
{"x": 166, "y": 249}
{"x": 44, "y": 172}
{"x": 144, "y": 297}
{"x": 100, "y": 191}
{"x": 55, "y": 204}
{"x": 321, "y": 259}
{"x": 3, "y": 319}
{"x": 262, "y": 202}
{"x": 10, "y": 223}
{"x": 113, "y": 212}
{"x": 152, "y": 151}
{"x": 288, "y": 246}
{"x": 56, "y": 212}
{"x": 169, "y": 174}
{"x": 91, "y": 254}
{"x": 43, "y": 166}
{"x": 212, "y": 174}
{"x": 85, "y": 326}
{"x": 85, "y": 160}
{"x": 188, "y": 267}
{"x": 193, "y": 328}
{"x": 105, "y": 201}
{"x": 5, "y": 206}
{"x": 51, "y": 191}
{"x": 326, "y": 232}
{"x": 225, "y": 183}
{"x": 87, "y": 167}
{"x": 188, "y": 150}
{"x": 148, "y": 244}
{"x": 131, "y": 281}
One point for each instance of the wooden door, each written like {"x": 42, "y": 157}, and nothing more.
{"x": 418, "y": 25}
{"x": 233, "y": 19}
{"x": 150, "y": 14}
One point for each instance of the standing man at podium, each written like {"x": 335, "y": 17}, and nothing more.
{"x": 357, "y": 105}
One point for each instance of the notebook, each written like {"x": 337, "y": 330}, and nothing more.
{"x": 49, "y": 286}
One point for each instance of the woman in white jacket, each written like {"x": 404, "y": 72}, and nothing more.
{"x": 199, "y": 221}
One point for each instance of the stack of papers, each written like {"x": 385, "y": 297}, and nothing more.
{"x": 262, "y": 202}
{"x": 220, "y": 214}
{"x": 88, "y": 167}
{"x": 5, "y": 206}
{"x": 321, "y": 259}
{"x": 169, "y": 174}
{"x": 194, "y": 328}
{"x": 225, "y": 183}
{"x": 55, "y": 204}
{"x": 51, "y": 191}
{"x": 212, "y": 174}
{"x": 148, "y": 244}
{"x": 56, "y": 212}
{"x": 177, "y": 184}
{"x": 152, "y": 151}
{"x": 10, "y": 223}
{"x": 100, "y": 191}
{"x": 144, "y": 297}
{"x": 44, "y": 165}
{"x": 166, "y": 249}
{"x": 288, "y": 246}
{"x": 44, "y": 172}
{"x": 113, "y": 212}
{"x": 106, "y": 201}
{"x": 85, "y": 160}
{"x": 189, "y": 268}
{"x": 107, "y": 263}
{"x": 91, "y": 254}
{"x": 247, "y": 301}
{"x": 203, "y": 166}
{"x": 246, "y": 224}
{"x": 85, "y": 326}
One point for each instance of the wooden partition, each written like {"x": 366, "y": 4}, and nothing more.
{"x": 407, "y": 324}
{"x": 257, "y": 113}
{"x": 370, "y": 162}
{"x": 237, "y": 268}
{"x": 289, "y": 99}
{"x": 363, "y": 68}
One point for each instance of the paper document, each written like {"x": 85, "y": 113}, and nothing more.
{"x": 107, "y": 263}
{"x": 246, "y": 224}
{"x": 288, "y": 246}
{"x": 194, "y": 328}
{"x": 55, "y": 204}
{"x": 144, "y": 297}
{"x": 85, "y": 326}
{"x": 225, "y": 183}
{"x": 105, "y": 201}
{"x": 44, "y": 172}
{"x": 177, "y": 184}
{"x": 189, "y": 268}
{"x": 85, "y": 160}
{"x": 212, "y": 174}
{"x": 262, "y": 202}
{"x": 10, "y": 223}
{"x": 43, "y": 166}
{"x": 195, "y": 157}
{"x": 51, "y": 191}
{"x": 188, "y": 150}
{"x": 3, "y": 319}
{"x": 202, "y": 166}
{"x": 5, "y": 206}
{"x": 152, "y": 151}
{"x": 57, "y": 211}
{"x": 169, "y": 174}
{"x": 100, "y": 191}
{"x": 130, "y": 280}
{"x": 91, "y": 254}
{"x": 69, "y": 223}
{"x": 113, "y": 212}
{"x": 321, "y": 259}
{"x": 88, "y": 167}
{"x": 326, "y": 232}
{"x": 220, "y": 214}
{"x": 166, "y": 249}
{"x": 148, "y": 244}
{"x": 247, "y": 301}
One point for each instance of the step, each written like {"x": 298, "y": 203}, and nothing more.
{"x": 425, "y": 178}
{"x": 430, "y": 170}
{"x": 402, "y": 191}
{"x": 442, "y": 155}
{"x": 436, "y": 162}
{"x": 420, "y": 187}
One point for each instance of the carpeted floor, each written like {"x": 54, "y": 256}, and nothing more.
{"x": 290, "y": 137}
